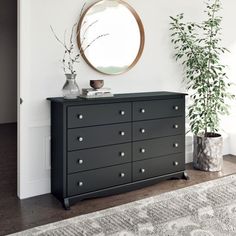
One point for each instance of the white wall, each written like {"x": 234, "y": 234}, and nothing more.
{"x": 229, "y": 123}
{"x": 42, "y": 77}
{"x": 8, "y": 75}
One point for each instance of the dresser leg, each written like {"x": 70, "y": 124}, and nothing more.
{"x": 66, "y": 204}
{"x": 185, "y": 176}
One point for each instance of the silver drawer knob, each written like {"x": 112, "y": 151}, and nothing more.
{"x": 176, "y": 126}
{"x": 142, "y": 110}
{"x": 142, "y": 150}
{"x": 142, "y": 170}
{"x": 176, "y": 108}
{"x": 122, "y": 113}
{"x": 122, "y": 175}
{"x": 176, "y": 163}
{"x": 122, "y": 133}
{"x": 176, "y": 145}
{"x": 142, "y": 131}
{"x": 80, "y": 161}
{"x": 81, "y": 139}
{"x": 80, "y": 184}
{"x": 80, "y": 116}
{"x": 122, "y": 154}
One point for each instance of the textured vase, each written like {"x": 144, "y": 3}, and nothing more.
{"x": 208, "y": 153}
{"x": 70, "y": 89}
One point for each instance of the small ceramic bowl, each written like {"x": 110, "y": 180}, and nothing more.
{"x": 96, "y": 84}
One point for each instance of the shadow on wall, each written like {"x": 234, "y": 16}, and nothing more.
{"x": 229, "y": 59}
{"x": 228, "y": 122}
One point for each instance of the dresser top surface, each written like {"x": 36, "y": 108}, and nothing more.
{"x": 120, "y": 98}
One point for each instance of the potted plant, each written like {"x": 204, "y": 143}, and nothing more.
{"x": 198, "y": 47}
{"x": 71, "y": 57}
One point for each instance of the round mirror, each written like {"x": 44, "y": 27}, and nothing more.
{"x": 111, "y": 36}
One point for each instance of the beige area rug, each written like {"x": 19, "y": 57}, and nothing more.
{"x": 206, "y": 209}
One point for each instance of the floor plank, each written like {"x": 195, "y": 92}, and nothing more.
{"x": 16, "y": 215}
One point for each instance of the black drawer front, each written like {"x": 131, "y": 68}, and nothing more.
{"x": 98, "y": 136}
{"x": 93, "y": 180}
{"x": 158, "y": 128}
{"x": 158, "y": 109}
{"x": 80, "y": 116}
{"x": 158, "y": 166}
{"x": 94, "y": 158}
{"x": 158, "y": 147}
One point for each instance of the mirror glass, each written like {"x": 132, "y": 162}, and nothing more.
{"x": 111, "y": 36}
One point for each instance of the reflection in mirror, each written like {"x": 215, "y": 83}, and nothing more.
{"x": 123, "y": 41}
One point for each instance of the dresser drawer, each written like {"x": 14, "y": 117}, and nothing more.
{"x": 158, "y": 109}
{"x": 80, "y": 116}
{"x": 158, "y": 128}
{"x": 94, "y": 158}
{"x": 158, "y": 147}
{"x": 98, "y": 136}
{"x": 93, "y": 180}
{"x": 158, "y": 166}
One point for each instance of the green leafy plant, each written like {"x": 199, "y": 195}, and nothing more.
{"x": 198, "y": 48}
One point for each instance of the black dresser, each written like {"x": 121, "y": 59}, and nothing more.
{"x": 110, "y": 145}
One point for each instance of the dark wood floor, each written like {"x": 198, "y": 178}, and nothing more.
{"x": 16, "y": 215}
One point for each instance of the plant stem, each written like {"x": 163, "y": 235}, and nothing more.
{"x": 208, "y": 94}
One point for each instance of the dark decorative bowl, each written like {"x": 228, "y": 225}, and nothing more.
{"x": 96, "y": 84}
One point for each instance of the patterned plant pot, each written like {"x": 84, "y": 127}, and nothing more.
{"x": 208, "y": 153}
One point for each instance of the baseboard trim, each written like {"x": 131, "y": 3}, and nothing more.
{"x": 35, "y": 188}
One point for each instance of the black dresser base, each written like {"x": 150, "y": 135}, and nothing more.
{"x": 67, "y": 202}
{"x": 128, "y": 142}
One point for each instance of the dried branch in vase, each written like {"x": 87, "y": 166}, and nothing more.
{"x": 72, "y": 54}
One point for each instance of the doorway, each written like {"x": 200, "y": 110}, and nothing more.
{"x": 8, "y": 98}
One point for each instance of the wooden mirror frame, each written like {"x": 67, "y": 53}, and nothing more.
{"x": 141, "y": 29}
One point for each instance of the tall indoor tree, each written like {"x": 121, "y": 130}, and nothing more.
{"x": 198, "y": 47}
